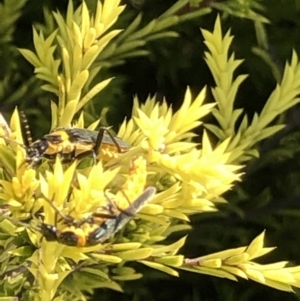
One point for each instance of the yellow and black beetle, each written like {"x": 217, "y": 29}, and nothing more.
{"x": 71, "y": 143}
{"x": 75, "y": 143}
{"x": 96, "y": 228}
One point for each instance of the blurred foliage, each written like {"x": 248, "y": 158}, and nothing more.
{"x": 269, "y": 196}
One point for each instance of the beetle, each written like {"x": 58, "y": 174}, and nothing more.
{"x": 90, "y": 231}
{"x": 71, "y": 143}
{"x": 75, "y": 143}
{"x": 98, "y": 227}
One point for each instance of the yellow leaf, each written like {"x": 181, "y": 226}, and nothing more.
{"x": 256, "y": 246}
{"x": 135, "y": 254}
{"x": 160, "y": 267}
{"x": 237, "y": 259}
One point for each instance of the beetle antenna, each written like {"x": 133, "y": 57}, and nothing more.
{"x": 27, "y": 133}
{"x": 66, "y": 218}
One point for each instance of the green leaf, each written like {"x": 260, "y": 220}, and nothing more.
{"x": 128, "y": 277}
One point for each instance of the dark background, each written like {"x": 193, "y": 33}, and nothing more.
{"x": 269, "y": 196}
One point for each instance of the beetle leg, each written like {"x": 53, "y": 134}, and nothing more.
{"x": 99, "y": 140}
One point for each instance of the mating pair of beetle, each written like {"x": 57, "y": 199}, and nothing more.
{"x": 76, "y": 143}
{"x": 98, "y": 227}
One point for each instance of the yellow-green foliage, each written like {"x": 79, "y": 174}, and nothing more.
{"x": 189, "y": 176}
